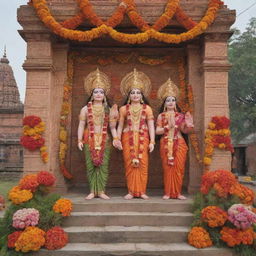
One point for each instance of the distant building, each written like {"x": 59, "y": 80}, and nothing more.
{"x": 245, "y": 152}
{"x": 11, "y": 114}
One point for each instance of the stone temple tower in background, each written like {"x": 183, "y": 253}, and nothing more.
{"x": 11, "y": 114}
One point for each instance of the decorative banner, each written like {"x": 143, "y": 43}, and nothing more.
{"x": 129, "y": 7}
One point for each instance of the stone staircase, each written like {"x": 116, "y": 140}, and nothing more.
{"x": 135, "y": 227}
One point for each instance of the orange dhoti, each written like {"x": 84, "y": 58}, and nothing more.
{"x": 136, "y": 177}
{"x": 173, "y": 174}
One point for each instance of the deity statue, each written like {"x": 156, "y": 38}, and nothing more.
{"x": 171, "y": 123}
{"x": 93, "y": 135}
{"x": 135, "y": 132}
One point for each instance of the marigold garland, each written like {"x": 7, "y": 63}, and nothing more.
{"x": 44, "y": 14}
{"x": 32, "y": 139}
{"x": 186, "y": 103}
{"x": 65, "y": 111}
{"x": 199, "y": 238}
{"x": 217, "y": 136}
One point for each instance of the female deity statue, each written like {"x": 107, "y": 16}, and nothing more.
{"x": 173, "y": 149}
{"x": 93, "y": 135}
{"x": 136, "y": 131}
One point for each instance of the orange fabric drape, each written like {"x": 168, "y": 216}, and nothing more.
{"x": 136, "y": 177}
{"x": 173, "y": 174}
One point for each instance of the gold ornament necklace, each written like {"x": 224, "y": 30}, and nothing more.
{"x": 98, "y": 114}
{"x": 136, "y": 113}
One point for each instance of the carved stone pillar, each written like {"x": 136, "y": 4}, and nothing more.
{"x": 215, "y": 69}
{"x": 44, "y": 97}
{"x": 194, "y": 79}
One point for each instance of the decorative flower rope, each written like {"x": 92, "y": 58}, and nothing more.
{"x": 186, "y": 103}
{"x": 32, "y": 138}
{"x": 97, "y": 154}
{"x": 45, "y": 16}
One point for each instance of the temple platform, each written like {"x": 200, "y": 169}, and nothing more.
{"x": 154, "y": 227}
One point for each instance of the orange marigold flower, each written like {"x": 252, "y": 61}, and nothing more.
{"x": 19, "y": 196}
{"x": 63, "y": 206}
{"x": 56, "y": 238}
{"x": 214, "y": 216}
{"x": 244, "y": 193}
{"x": 29, "y": 182}
{"x": 199, "y": 238}
{"x": 32, "y": 239}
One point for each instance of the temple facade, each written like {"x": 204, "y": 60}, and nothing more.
{"x": 11, "y": 114}
{"x": 204, "y": 59}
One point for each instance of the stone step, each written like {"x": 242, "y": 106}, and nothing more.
{"x": 135, "y": 205}
{"x": 134, "y": 249}
{"x": 121, "y": 234}
{"x": 128, "y": 219}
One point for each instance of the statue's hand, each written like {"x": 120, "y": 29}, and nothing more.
{"x": 80, "y": 145}
{"x": 113, "y": 114}
{"x": 151, "y": 147}
{"x": 189, "y": 120}
{"x": 117, "y": 144}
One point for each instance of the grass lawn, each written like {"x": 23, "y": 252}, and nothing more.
{"x": 5, "y": 186}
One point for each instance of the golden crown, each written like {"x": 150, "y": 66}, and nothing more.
{"x": 135, "y": 80}
{"x": 97, "y": 79}
{"x": 167, "y": 89}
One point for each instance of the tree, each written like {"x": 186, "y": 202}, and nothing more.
{"x": 242, "y": 82}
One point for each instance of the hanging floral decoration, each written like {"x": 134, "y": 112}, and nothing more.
{"x": 228, "y": 217}
{"x": 217, "y": 136}
{"x": 148, "y": 32}
{"x": 186, "y": 103}
{"x": 33, "y": 219}
{"x": 64, "y": 115}
{"x": 32, "y": 138}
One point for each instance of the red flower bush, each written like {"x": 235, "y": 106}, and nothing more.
{"x": 45, "y": 178}
{"x": 12, "y": 238}
{"x": 31, "y": 121}
{"x": 56, "y": 238}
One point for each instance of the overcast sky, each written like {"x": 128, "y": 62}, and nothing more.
{"x": 16, "y": 47}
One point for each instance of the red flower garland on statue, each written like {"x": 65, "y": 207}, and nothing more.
{"x": 97, "y": 154}
{"x": 136, "y": 159}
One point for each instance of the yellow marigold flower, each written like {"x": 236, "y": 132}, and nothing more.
{"x": 207, "y": 160}
{"x": 19, "y": 196}
{"x": 43, "y": 148}
{"x": 211, "y": 125}
{"x": 63, "y": 206}
{"x": 63, "y": 135}
{"x": 221, "y": 146}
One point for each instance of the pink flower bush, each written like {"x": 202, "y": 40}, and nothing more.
{"x": 25, "y": 217}
{"x": 241, "y": 216}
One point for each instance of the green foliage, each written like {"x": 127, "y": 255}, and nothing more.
{"x": 48, "y": 218}
{"x": 242, "y": 81}
{"x": 211, "y": 199}
{"x": 244, "y": 250}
